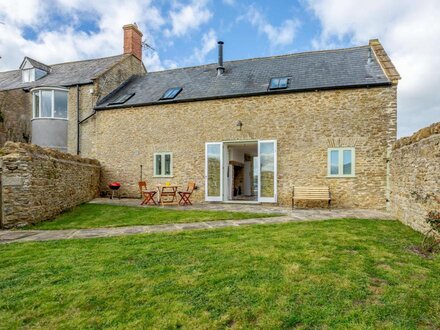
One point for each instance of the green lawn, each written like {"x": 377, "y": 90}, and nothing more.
{"x": 336, "y": 274}
{"x": 96, "y": 215}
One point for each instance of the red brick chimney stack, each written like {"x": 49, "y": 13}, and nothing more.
{"x": 133, "y": 40}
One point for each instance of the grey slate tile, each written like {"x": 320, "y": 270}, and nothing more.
{"x": 307, "y": 71}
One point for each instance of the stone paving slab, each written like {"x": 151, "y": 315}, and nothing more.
{"x": 287, "y": 215}
{"x": 15, "y": 235}
{"x": 258, "y": 208}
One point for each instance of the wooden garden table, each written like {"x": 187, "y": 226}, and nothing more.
{"x": 168, "y": 191}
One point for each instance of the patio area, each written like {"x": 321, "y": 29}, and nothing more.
{"x": 296, "y": 214}
{"x": 285, "y": 215}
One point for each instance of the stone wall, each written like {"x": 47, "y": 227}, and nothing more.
{"x": 37, "y": 184}
{"x": 415, "y": 176}
{"x": 88, "y": 97}
{"x": 304, "y": 124}
{"x": 15, "y": 116}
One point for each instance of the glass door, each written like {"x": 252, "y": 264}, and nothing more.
{"x": 267, "y": 183}
{"x": 214, "y": 172}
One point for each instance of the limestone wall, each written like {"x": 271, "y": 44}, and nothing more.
{"x": 415, "y": 176}
{"x": 88, "y": 96}
{"x": 37, "y": 184}
{"x": 304, "y": 124}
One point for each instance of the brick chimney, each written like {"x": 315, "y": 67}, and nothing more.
{"x": 133, "y": 40}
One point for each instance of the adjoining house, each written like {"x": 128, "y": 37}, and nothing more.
{"x": 44, "y": 104}
{"x": 246, "y": 130}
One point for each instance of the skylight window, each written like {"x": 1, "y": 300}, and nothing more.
{"x": 279, "y": 83}
{"x": 122, "y": 99}
{"x": 171, "y": 93}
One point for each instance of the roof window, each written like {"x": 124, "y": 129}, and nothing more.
{"x": 279, "y": 83}
{"x": 122, "y": 99}
{"x": 171, "y": 93}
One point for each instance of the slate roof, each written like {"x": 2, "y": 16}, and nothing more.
{"x": 36, "y": 64}
{"x": 63, "y": 74}
{"x": 341, "y": 68}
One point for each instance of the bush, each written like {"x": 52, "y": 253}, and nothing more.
{"x": 431, "y": 241}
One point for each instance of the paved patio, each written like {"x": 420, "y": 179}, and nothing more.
{"x": 287, "y": 215}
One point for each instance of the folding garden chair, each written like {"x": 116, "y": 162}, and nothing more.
{"x": 185, "y": 195}
{"x": 148, "y": 195}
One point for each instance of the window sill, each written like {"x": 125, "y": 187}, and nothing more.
{"x": 341, "y": 176}
{"x": 163, "y": 176}
{"x": 54, "y": 118}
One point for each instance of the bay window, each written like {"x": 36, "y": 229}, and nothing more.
{"x": 49, "y": 103}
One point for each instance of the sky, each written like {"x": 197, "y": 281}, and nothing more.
{"x": 185, "y": 33}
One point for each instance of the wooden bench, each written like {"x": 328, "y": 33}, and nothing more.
{"x": 311, "y": 193}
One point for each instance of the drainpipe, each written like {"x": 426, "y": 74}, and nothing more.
{"x": 77, "y": 119}
{"x": 388, "y": 187}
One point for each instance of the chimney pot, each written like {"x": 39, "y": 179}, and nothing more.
{"x": 133, "y": 40}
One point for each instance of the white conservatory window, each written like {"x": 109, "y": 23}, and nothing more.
{"x": 49, "y": 103}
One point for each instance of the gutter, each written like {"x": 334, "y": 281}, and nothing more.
{"x": 263, "y": 93}
{"x": 89, "y": 116}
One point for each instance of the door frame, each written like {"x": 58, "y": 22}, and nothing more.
{"x": 224, "y": 159}
{"x": 220, "y": 197}
{"x": 275, "y": 173}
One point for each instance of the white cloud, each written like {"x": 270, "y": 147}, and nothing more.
{"x": 25, "y": 13}
{"x": 282, "y": 35}
{"x": 410, "y": 33}
{"x": 209, "y": 43}
{"x": 185, "y": 18}
{"x": 65, "y": 42}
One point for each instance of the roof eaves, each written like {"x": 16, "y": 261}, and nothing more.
{"x": 269, "y": 92}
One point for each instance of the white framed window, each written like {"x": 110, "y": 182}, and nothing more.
{"x": 341, "y": 162}
{"x": 28, "y": 75}
{"x": 163, "y": 164}
{"x": 49, "y": 103}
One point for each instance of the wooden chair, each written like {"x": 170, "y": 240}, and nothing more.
{"x": 185, "y": 195}
{"x": 148, "y": 195}
{"x": 311, "y": 193}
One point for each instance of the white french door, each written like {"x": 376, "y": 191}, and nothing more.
{"x": 267, "y": 164}
{"x": 214, "y": 171}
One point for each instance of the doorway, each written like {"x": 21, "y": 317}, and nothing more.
{"x": 241, "y": 179}
{"x": 241, "y": 171}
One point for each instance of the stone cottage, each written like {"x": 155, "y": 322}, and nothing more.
{"x": 45, "y": 104}
{"x": 246, "y": 130}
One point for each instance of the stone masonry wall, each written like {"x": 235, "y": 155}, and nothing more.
{"x": 89, "y": 95}
{"x": 304, "y": 124}
{"x": 37, "y": 184}
{"x": 15, "y": 116}
{"x": 415, "y": 176}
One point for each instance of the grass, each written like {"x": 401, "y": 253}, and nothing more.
{"x": 96, "y": 215}
{"x": 336, "y": 274}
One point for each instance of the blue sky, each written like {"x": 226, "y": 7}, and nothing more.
{"x": 185, "y": 32}
{"x": 243, "y": 39}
